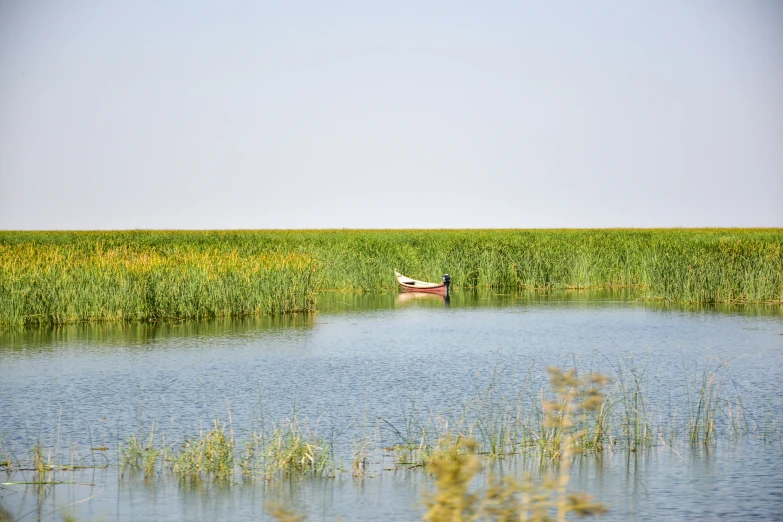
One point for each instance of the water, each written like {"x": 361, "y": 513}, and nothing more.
{"x": 363, "y": 365}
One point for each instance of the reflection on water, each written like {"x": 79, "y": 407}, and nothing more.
{"x": 407, "y": 298}
{"x": 140, "y": 334}
{"x": 333, "y": 302}
{"x": 732, "y": 482}
{"x": 370, "y": 356}
{"x": 330, "y": 303}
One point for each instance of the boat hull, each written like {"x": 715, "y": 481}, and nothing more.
{"x": 412, "y": 285}
{"x": 433, "y": 290}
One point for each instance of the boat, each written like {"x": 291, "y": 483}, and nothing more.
{"x": 412, "y": 285}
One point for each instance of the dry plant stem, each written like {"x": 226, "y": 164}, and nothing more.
{"x": 454, "y": 465}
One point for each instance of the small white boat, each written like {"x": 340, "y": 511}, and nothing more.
{"x": 412, "y": 285}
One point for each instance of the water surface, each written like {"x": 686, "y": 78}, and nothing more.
{"x": 371, "y": 357}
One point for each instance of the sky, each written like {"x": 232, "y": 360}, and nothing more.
{"x": 257, "y": 115}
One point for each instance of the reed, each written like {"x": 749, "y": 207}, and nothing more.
{"x": 573, "y": 413}
{"x": 140, "y": 455}
{"x": 63, "y": 284}
{"x": 455, "y": 465}
{"x": 288, "y": 448}
{"x": 607, "y": 411}
{"x": 456, "y": 498}
{"x": 64, "y": 277}
{"x": 636, "y": 409}
{"x": 211, "y": 455}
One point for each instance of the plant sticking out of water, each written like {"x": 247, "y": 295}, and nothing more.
{"x": 288, "y": 448}
{"x": 39, "y": 464}
{"x": 575, "y": 418}
{"x": 570, "y": 415}
{"x": 424, "y": 438}
{"x": 361, "y": 453}
{"x": 211, "y": 454}
{"x": 6, "y": 457}
{"x": 567, "y": 417}
{"x": 456, "y": 465}
{"x": 636, "y": 424}
{"x": 623, "y": 417}
{"x": 141, "y": 455}
{"x": 509, "y": 499}
{"x": 415, "y": 442}
{"x": 5, "y": 462}
{"x": 769, "y": 427}
{"x": 497, "y": 421}
{"x": 706, "y": 400}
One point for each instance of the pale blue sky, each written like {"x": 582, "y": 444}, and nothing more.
{"x": 193, "y": 114}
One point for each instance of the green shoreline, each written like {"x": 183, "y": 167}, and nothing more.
{"x": 62, "y": 277}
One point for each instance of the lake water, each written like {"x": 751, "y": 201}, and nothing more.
{"x": 363, "y": 367}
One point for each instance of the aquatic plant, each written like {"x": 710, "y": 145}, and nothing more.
{"x": 58, "y": 285}
{"x": 211, "y": 454}
{"x": 287, "y": 448}
{"x": 456, "y": 464}
{"x": 67, "y": 277}
{"x": 140, "y": 455}
{"x": 571, "y": 413}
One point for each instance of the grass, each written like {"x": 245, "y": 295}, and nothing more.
{"x": 67, "y": 277}
{"x": 288, "y": 448}
{"x": 576, "y": 413}
{"x": 583, "y": 412}
{"x": 455, "y": 464}
{"x": 211, "y": 454}
{"x": 63, "y": 284}
{"x": 142, "y": 454}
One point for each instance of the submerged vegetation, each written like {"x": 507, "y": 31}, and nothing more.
{"x": 66, "y": 277}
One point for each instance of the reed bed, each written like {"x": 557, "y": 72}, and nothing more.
{"x": 47, "y": 284}
{"x": 64, "y": 277}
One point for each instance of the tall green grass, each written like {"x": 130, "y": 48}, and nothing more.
{"x": 68, "y": 283}
{"x": 62, "y": 277}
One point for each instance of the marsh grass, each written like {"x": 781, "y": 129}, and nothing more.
{"x": 40, "y": 464}
{"x": 287, "y": 448}
{"x": 637, "y": 417}
{"x": 568, "y": 414}
{"x": 455, "y": 465}
{"x": 497, "y": 420}
{"x": 67, "y": 277}
{"x": 363, "y": 447}
{"x": 769, "y": 428}
{"x": 140, "y": 455}
{"x": 211, "y": 454}
{"x": 602, "y": 412}
{"x": 60, "y": 285}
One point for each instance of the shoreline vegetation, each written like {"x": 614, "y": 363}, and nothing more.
{"x": 63, "y": 277}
